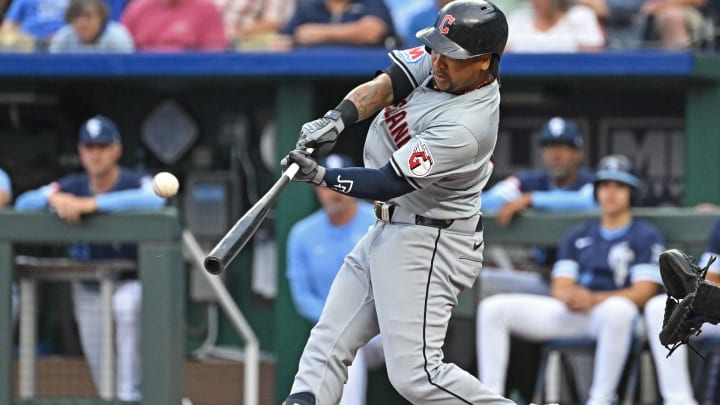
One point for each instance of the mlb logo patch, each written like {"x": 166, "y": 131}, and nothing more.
{"x": 420, "y": 161}
{"x": 413, "y": 55}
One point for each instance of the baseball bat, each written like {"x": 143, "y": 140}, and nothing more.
{"x": 235, "y": 239}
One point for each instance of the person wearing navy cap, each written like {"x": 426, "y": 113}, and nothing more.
{"x": 103, "y": 186}
{"x": 561, "y": 186}
{"x": 316, "y": 248}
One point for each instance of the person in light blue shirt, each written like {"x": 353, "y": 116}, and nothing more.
{"x": 89, "y": 29}
{"x": 420, "y": 20}
{"x": 38, "y": 18}
{"x": 104, "y": 186}
{"x": 317, "y": 246}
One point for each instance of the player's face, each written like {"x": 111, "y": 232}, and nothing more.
{"x": 98, "y": 159}
{"x": 613, "y": 197}
{"x": 333, "y": 203}
{"x": 561, "y": 161}
{"x": 459, "y": 75}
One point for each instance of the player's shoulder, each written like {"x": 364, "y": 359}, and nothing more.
{"x": 410, "y": 55}
{"x": 71, "y": 182}
{"x": 642, "y": 229}
{"x": 583, "y": 230}
{"x": 532, "y": 180}
{"x": 586, "y": 175}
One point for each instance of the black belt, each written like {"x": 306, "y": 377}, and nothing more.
{"x": 389, "y": 209}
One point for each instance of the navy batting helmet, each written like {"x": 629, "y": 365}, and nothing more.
{"x": 617, "y": 168}
{"x": 559, "y": 131}
{"x": 465, "y": 29}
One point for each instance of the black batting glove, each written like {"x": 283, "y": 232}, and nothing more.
{"x": 310, "y": 171}
{"x": 321, "y": 133}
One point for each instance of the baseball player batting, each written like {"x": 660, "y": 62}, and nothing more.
{"x": 427, "y": 158}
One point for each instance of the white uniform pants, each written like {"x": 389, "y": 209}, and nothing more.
{"x": 539, "y": 318}
{"x": 126, "y": 311}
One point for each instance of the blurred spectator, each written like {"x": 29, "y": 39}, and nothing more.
{"x": 249, "y": 18}
{"x": 424, "y": 18}
{"x": 89, "y": 29}
{"x": 606, "y": 271}
{"x": 674, "y": 23}
{"x": 554, "y": 26}
{"x": 341, "y": 22}
{"x": 317, "y": 247}
{"x": 403, "y": 12}
{"x": 39, "y": 19}
{"x": 174, "y": 25}
{"x": 104, "y": 186}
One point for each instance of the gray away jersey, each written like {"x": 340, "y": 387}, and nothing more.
{"x": 441, "y": 143}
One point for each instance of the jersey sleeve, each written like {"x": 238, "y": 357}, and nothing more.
{"x": 442, "y": 150}
{"x": 414, "y": 64}
{"x": 566, "y": 264}
{"x": 647, "y": 255}
{"x": 713, "y": 249}
{"x": 5, "y": 183}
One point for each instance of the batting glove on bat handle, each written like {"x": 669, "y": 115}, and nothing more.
{"x": 308, "y": 169}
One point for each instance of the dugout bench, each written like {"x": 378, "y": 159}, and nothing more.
{"x": 160, "y": 266}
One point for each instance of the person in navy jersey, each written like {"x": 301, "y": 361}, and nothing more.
{"x": 317, "y": 246}
{"x": 341, "y": 22}
{"x": 104, "y": 186}
{"x": 606, "y": 271}
{"x": 562, "y": 185}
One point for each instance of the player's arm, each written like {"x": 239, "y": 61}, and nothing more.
{"x": 141, "y": 198}
{"x": 35, "y": 200}
{"x": 639, "y": 292}
{"x": 5, "y": 189}
{"x": 368, "y": 30}
{"x": 564, "y": 200}
{"x": 502, "y": 192}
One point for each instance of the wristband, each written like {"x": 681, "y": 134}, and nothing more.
{"x": 348, "y": 112}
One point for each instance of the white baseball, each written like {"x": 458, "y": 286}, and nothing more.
{"x": 165, "y": 184}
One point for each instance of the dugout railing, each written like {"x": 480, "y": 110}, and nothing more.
{"x": 160, "y": 266}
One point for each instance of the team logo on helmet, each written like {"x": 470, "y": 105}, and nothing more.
{"x": 447, "y": 21}
{"x": 420, "y": 161}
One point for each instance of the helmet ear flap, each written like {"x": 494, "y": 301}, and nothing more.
{"x": 428, "y": 49}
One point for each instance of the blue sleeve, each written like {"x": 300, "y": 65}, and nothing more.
{"x": 378, "y": 9}
{"x": 296, "y": 20}
{"x": 369, "y": 184}
{"x": 34, "y": 200}
{"x": 566, "y": 250}
{"x": 714, "y": 240}
{"x": 5, "y": 183}
{"x": 308, "y": 302}
{"x": 16, "y": 12}
{"x": 563, "y": 200}
{"x": 132, "y": 199}
{"x": 507, "y": 190}
{"x": 652, "y": 244}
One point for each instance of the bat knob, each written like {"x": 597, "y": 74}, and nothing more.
{"x": 213, "y": 265}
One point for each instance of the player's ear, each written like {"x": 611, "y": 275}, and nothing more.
{"x": 483, "y": 61}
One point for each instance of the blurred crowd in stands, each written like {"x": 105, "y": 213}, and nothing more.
{"x": 277, "y": 25}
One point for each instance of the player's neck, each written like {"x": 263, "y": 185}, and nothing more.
{"x": 616, "y": 220}
{"x": 102, "y": 183}
{"x": 344, "y": 216}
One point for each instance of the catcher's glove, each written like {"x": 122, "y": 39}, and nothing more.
{"x": 691, "y": 300}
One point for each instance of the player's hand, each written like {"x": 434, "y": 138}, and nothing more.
{"x": 580, "y": 300}
{"x": 70, "y": 207}
{"x": 511, "y": 208}
{"x": 310, "y": 170}
{"x": 322, "y": 133}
